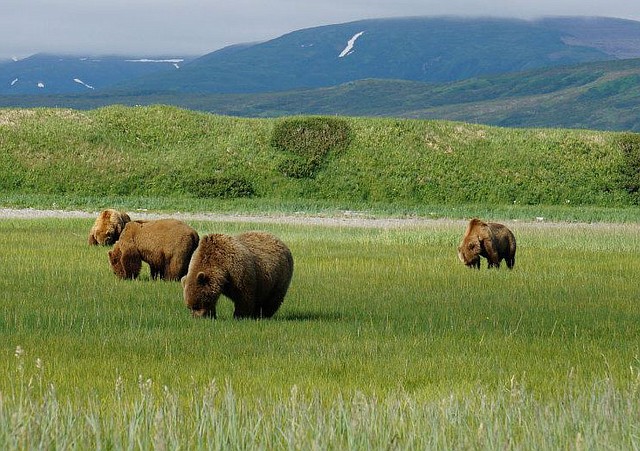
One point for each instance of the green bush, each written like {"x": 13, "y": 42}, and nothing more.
{"x": 308, "y": 141}
{"x": 223, "y": 186}
{"x": 630, "y": 146}
{"x": 298, "y": 167}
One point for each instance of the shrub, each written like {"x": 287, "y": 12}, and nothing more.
{"x": 223, "y": 186}
{"x": 299, "y": 168}
{"x": 630, "y": 146}
{"x": 308, "y": 141}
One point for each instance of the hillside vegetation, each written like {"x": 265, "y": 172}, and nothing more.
{"x": 166, "y": 152}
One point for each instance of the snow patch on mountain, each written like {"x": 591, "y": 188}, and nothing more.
{"x": 77, "y": 80}
{"x": 146, "y": 60}
{"x": 40, "y": 85}
{"x": 348, "y": 50}
{"x": 14, "y": 82}
{"x": 175, "y": 62}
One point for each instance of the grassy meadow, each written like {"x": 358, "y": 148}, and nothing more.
{"x": 385, "y": 340}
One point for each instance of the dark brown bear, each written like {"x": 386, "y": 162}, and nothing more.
{"x": 493, "y": 241}
{"x": 107, "y": 228}
{"x": 253, "y": 269}
{"x": 165, "y": 244}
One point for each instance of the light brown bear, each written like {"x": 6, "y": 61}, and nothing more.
{"x": 253, "y": 269}
{"x": 166, "y": 245}
{"x": 493, "y": 241}
{"x": 107, "y": 227}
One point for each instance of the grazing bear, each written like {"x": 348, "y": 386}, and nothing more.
{"x": 253, "y": 269}
{"x": 108, "y": 226}
{"x": 165, "y": 244}
{"x": 492, "y": 241}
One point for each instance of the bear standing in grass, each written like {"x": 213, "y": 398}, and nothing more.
{"x": 493, "y": 241}
{"x": 253, "y": 269}
{"x": 165, "y": 244}
{"x": 107, "y": 228}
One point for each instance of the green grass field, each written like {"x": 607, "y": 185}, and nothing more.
{"x": 385, "y": 340}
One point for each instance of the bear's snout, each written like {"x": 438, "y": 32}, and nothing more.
{"x": 202, "y": 313}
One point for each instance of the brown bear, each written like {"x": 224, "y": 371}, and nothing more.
{"x": 493, "y": 241}
{"x": 107, "y": 227}
{"x": 166, "y": 245}
{"x": 253, "y": 269}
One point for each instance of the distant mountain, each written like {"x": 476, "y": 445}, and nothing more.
{"x": 553, "y": 72}
{"x": 425, "y": 49}
{"x": 601, "y": 95}
{"x": 52, "y": 74}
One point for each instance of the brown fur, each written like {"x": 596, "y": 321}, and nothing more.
{"x": 165, "y": 245}
{"x": 252, "y": 269}
{"x": 493, "y": 241}
{"x": 107, "y": 227}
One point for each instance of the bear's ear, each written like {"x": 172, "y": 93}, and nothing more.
{"x": 201, "y": 278}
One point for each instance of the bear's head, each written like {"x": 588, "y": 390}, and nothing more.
{"x": 109, "y": 235}
{"x": 469, "y": 252}
{"x": 109, "y": 226}
{"x": 201, "y": 292}
{"x": 115, "y": 258}
{"x": 208, "y": 276}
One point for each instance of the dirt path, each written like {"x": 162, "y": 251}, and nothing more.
{"x": 346, "y": 219}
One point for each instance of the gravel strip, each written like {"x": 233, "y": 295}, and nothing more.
{"x": 346, "y": 219}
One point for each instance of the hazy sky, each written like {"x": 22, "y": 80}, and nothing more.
{"x": 196, "y": 27}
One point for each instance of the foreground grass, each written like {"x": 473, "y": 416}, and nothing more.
{"x": 384, "y": 339}
{"x": 215, "y": 418}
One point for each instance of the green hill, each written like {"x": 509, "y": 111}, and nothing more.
{"x": 165, "y": 152}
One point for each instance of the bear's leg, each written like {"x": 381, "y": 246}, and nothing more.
{"x": 272, "y": 303}
{"x": 132, "y": 263}
{"x": 154, "y": 270}
{"x": 511, "y": 261}
{"x": 270, "y": 307}
{"x": 175, "y": 268}
{"x": 245, "y": 307}
{"x": 242, "y": 311}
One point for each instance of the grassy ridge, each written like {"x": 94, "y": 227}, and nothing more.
{"x": 165, "y": 152}
{"x": 382, "y": 330}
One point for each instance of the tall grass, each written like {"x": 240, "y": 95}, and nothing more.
{"x": 384, "y": 339}
{"x": 214, "y": 417}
